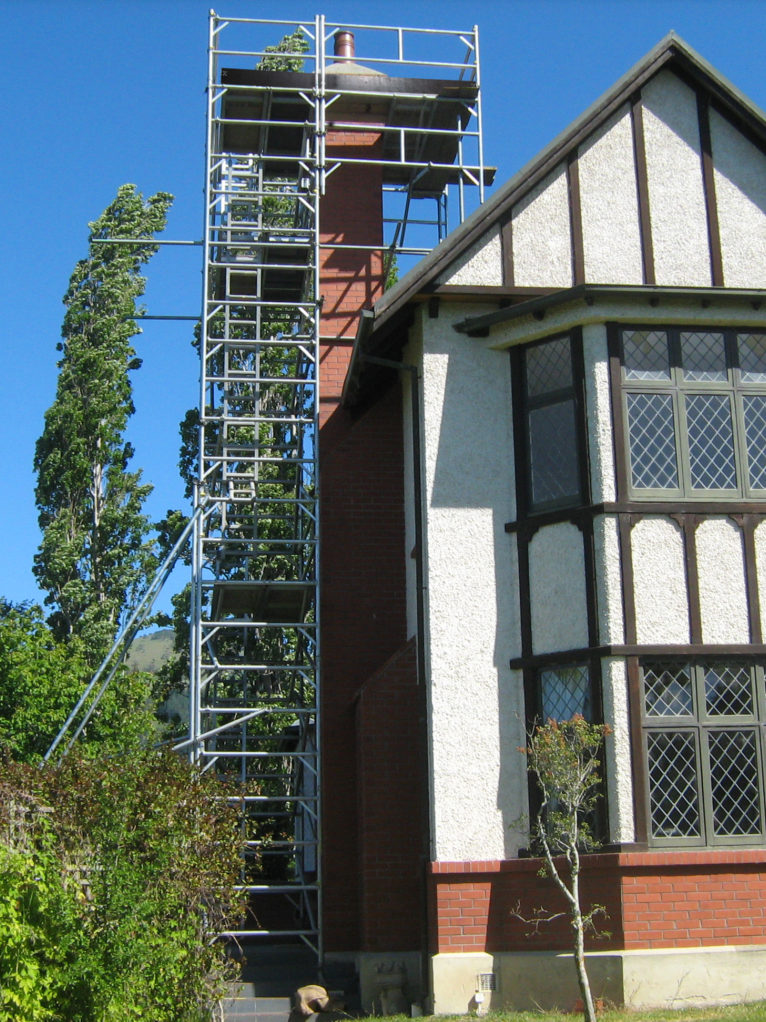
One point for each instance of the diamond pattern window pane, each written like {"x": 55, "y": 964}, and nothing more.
{"x": 651, "y": 430}
{"x": 646, "y": 355}
{"x": 752, "y": 357}
{"x": 553, "y": 453}
{"x": 734, "y": 783}
{"x": 728, "y": 691}
{"x": 729, "y": 766}
{"x": 565, "y": 692}
{"x": 549, "y": 367}
{"x": 668, "y": 691}
{"x": 674, "y": 804}
{"x": 711, "y": 443}
{"x": 754, "y": 406}
{"x": 703, "y": 356}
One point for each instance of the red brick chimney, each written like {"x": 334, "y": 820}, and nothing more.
{"x": 350, "y": 213}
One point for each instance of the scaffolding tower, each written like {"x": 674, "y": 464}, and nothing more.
{"x": 255, "y": 609}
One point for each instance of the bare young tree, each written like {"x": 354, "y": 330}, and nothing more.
{"x": 564, "y": 757}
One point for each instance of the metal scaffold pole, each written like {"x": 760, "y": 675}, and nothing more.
{"x": 255, "y": 675}
{"x": 254, "y": 678}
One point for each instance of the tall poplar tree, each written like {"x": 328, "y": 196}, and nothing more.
{"x": 96, "y": 557}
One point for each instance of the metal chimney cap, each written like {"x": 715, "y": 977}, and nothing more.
{"x": 344, "y": 45}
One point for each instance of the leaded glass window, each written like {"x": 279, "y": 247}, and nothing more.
{"x": 711, "y": 442}
{"x": 704, "y": 727}
{"x": 673, "y": 789}
{"x": 703, "y": 356}
{"x": 551, "y": 424}
{"x": 652, "y": 431}
{"x": 564, "y": 692}
{"x": 751, "y": 351}
{"x": 754, "y": 411}
{"x": 646, "y": 355}
{"x": 694, "y": 403}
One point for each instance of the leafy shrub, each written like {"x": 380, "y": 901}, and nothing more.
{"x": 115, "y": 876}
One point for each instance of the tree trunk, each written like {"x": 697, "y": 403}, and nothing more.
{"x": 589, "y": 1011}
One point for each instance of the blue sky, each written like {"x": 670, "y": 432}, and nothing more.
{"x": 101, "y": 92}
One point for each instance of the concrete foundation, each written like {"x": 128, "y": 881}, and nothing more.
{"x": 665, "y": 978}
{"x": 385, "y": 979}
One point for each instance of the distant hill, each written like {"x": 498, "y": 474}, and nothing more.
{"x": 150, "y": 652}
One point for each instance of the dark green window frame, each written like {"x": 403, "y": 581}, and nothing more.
{"x": 550, "y": 417}
{"x": 704, "y": 735}
{"x": 693, "y": 403}
{"x": 561, "y": 691}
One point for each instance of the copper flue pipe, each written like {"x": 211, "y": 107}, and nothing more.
{"x": 344, "y": 45}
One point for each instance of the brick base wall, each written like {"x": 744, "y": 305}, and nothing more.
{"x": 361, "y": 507}
{"x": 363, "y": 624}
{"x": 391, "y": 761}
{"x": 653, "y": 900}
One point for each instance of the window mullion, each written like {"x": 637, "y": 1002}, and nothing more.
{"x": 704, "y": 786}
{"x": 740, "y": 443}
{"x": 759, "y": 775}
{"x": 682, "y": 440}
{"x": 705, "y": 783}
{"x": 760, "y": 694}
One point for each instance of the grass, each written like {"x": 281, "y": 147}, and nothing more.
{"x": 755, "y": 1012}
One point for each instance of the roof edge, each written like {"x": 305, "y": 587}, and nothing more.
{"x": 590, "y": 293}
{"x": 671, "y": 48}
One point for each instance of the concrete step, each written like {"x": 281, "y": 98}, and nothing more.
{"x": 244, "y": 1008}
{"x": 239, "y": 1010}
{"x": 271, "y": 974}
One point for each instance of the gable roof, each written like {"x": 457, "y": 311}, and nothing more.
{"x": 378, "y": 328}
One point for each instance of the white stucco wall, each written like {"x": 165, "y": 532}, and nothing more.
{"x": 606, "y": 543}
{"x": 542, "y": 253}
{"x": 557, "y": 589}
{"x": 721, "y": 573}
{"x": 659, "y": 579}
{"x": 481, "y": 264}
{"x": 599, "y": 413}
{"x": 740, "y": 188}
{"x": 674, "y": 172}
{"x": 476, "y": 702}
{"x": 609, "y": 205}
{"x": 760, "y": 568}
{"x": 619, "y": 776}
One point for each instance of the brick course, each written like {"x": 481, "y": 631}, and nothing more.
{"x": 654, "y": 900}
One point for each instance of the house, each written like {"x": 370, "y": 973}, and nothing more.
{"x": 543, "y": 491}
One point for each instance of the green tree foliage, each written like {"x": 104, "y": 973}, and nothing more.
{"x": 95, "y": 558}
{"x": 564, "y": 757}
{"x": 41, "y": 680}
{"x": 286, "y": 54}
{"x": 114, "y": 878}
